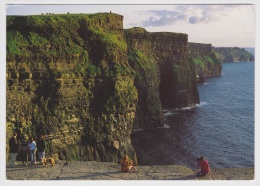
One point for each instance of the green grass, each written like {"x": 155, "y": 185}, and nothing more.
{"x": 203, "y": 61}
{"x": 15, "y": 41}
{"x": 70, "y": 38}
{"x": 139, "y": 59}
{"x": 110, "y": 39}
{"x": 37, "y": 41}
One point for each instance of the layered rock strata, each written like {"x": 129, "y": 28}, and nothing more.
{"x": 86, "y": 84}
{"x": 206, "y": 60}
{"x": 165, "y": 77}
{"x": 68, "y": 78}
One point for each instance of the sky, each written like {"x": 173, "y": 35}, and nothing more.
{"x": 219, "y": 24}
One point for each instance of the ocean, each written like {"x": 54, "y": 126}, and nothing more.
{"x": 220, "y": 128}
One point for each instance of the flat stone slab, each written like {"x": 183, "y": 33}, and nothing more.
{"x": 92, "y": 170}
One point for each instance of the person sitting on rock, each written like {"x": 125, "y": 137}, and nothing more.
{"x": 204, "y": 166}
{"x": 127, "y": 164}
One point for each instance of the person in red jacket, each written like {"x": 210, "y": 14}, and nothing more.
{"x": 204, "y": 166}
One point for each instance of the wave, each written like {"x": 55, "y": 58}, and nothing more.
{"x": 167, "y": 112}
{"x": 191, "y": 107}
{"x": 170, "y": 112}
{"x": 202, "y": 104}
{"x": 166, "y": 126}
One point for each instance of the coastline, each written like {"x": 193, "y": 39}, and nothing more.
{"x": 92, "y": 170}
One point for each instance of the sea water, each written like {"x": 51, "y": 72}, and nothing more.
{"x": 220, "y": 128}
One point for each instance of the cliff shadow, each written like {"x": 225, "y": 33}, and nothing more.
{"x": 166, "y": 90}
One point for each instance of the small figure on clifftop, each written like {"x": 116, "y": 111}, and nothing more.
{"x": 127, "y": 164}
{"x": 204, "y": 166}
{"x": 32, "y": 148}
{"x": 41, "y": 148}
{"x": 14, "y": 148}
{"x": 25, "y": 150}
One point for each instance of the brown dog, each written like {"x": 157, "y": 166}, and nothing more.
{"x": 48, "y": 160}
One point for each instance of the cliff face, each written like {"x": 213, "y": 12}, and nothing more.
{"x": 165, "y": 78}
{"x": 85, "y": 83}
{"x": 149, "y": 109}
{"x": 234, "y": 54}
{"x": 68, "y": 78}
{"x": 207, "y": 61}
{"x": 178, "y": 86}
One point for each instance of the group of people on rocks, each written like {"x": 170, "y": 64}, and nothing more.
{"x": 27, "y": 147}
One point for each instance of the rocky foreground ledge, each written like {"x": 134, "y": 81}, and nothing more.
{"x": 91, "y": 170}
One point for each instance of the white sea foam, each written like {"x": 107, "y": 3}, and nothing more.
{"x": 166, "y": 125}
{"x": 168, "y": 113}
{"x": 185, "y": 108}
{"x": 202, "y": 104}
{"x": 171, "y": 112}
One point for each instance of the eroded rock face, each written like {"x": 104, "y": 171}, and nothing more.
{"x": 207, "y": 61}
{"x": 165, "y": 77}
{"x": 77, "y": 79}
{"x": 68, "y": 78}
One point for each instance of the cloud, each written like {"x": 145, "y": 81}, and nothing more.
{"x": 163, "y": 18}
{"x": 192, "y": 14}
{"x": 194, "y": 19}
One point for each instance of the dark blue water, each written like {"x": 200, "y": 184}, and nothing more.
{"x": 220, "y": 128}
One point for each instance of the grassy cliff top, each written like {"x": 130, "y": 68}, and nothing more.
{"x": 80, "y": 42}
{"x": 59, "y": 21}
{"x": 61, "y": 16}
{"x": 140, "y": 30}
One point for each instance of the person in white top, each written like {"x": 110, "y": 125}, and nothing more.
{"x": 32, "y": 148}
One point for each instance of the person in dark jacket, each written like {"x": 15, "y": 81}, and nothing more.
{"x": 24, "y": 150}
{"x": 14, "y": 148}
{"x": 41, "y": 145}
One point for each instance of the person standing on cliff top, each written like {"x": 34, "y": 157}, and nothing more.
{"x": 204, "y": 166}
{"x": 14, "y": 148}
{"x": 41, "y": 145}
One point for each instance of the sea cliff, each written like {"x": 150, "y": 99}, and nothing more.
{"x": 207, "y": 61}
{"x": 234, "y": 54}
{"x": 68, "y": 78}
{"x": 165, "y": 77}
{"x": 87, "y": 84}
